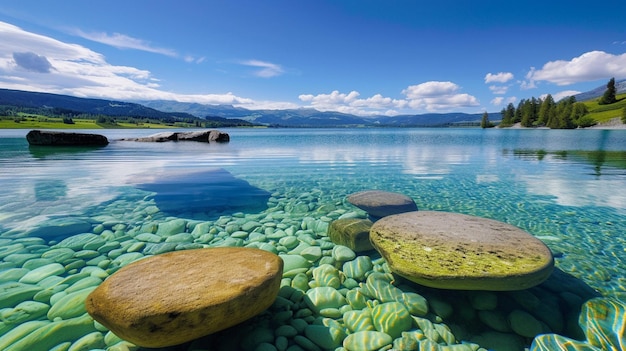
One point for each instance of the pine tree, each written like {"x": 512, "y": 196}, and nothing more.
{"x": 624, "y": 115}
{"x": 609, "y": 93}
{"x": 484, "y": 122}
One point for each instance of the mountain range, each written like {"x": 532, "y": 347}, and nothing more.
{"x": 304, "y": 117}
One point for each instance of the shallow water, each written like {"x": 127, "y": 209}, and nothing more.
{"x": 565, "y": 187}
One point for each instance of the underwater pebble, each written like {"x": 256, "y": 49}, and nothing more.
{"x": 90, "y": 341}
{"x": 343, "y": 253}
{"x": 357, "y": 268}
{"x": 324, "y": 297}
{"x": 366, "y": 341}
{"x": 14, "y": 292}
{"x": 524, "y": 324}
{"x": 71, "y": 305}
{"x": 391, "y": 318}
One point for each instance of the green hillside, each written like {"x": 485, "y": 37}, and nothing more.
{"x": 604, "y": 113}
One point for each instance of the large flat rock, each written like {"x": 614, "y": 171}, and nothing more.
{"x": 176, "y": 297}
{"x": 455, "y": 251}
{"x": 54, "y": 138}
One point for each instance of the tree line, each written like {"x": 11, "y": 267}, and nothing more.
{"x": 537, "y": 112}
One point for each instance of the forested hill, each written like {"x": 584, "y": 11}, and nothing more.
{"x": 64, "y": 104}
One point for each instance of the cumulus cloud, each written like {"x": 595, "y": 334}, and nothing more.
{"x": 500, "y": 77}
{"x": 431, "y": 96}
{"x": 499, "y": 89}
{"x": 122, "y": 41}
{"x": 497, "y": 100}
{"x": 590, "y": 66}
{"x": 438, "y": 96}
{"x": 32, "y": 62}
{"x": 267, "y": 69}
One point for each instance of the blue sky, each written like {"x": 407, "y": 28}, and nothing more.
{"x": 363, "y": 57}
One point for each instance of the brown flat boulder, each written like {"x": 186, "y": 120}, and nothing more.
{"x": 455, "y": 251}
{"x": 176, "y": 297}
{"x": 380, "y": 204}
{"x": 53, "y": 138}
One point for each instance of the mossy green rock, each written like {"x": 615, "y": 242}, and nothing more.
{"x": 351, "y": 232}
{"x": 455, "y": 251}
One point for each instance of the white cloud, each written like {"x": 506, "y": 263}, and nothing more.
{"x": 500, "y": 77}
{"x": 267, "y": 69}
{"x": 497, "y": 100}
{"x": 122, "y": 41}
{"x": 590, "y": 66}
{"x": 437, "y": 96}
{"x": 351, "y": 103}
{"x": 563, "y": 94}
{"x": 499, "y": 89}
{"x": 79, "y": 71}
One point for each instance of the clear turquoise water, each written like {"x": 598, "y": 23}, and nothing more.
{"x": 566, "y": 187}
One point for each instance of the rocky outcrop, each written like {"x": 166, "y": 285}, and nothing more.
{"x": 455, "y": 251}
{"x": 202, "y": 136}
{"x": 53, "y": 138}
{"x": 176, "y": 297}
{"x": 379, "y": 204}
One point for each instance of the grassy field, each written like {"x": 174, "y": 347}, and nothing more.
{"x": 44, "y": 122}
{"x": 603, "y": 113}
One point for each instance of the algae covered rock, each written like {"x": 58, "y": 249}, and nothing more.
{"x": 176, "y": 297}
{"x": 455, "y": 251}
{"x": 380, "y": 204}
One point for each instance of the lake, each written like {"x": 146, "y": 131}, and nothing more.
{"x": 566, "y": 187}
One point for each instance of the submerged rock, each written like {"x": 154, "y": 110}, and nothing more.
{"x": 52, "y": 138}
{"x": 351, "y": 232}
{"x": 176, "y": 297}
{"x": 455, "y": 251}
{"x": 380, "y": 204}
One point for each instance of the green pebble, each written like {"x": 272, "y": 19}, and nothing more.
{"x": 356, "y": 299}
{"x": 300, "y": 324}
{"x": 358, "y": 320}
{"x": 20, "y": 332}
{"x": 331, "y": 313}
{"x": 366, "y": 341}
{"x": 40, "y": 273}
{"x": 343, "y": 253}
{"x": 127, "y": 258}
{"x": 281, "y": 343}
{"x": 172, "y": 227}
{"x": 328, "y": 338}
{"x": 265, "y": 346}
{"x": 312, "y": 253}
{"x": 36, "y": 263}
{"x": 305, "y": 343}
{"x": 23, "y": 312}
{"x": 149, "y": 238}
{"x": 287, "y": 331}
{"x": 289, "y": 242}
{"x": 327, "y": 275}
{"x": 84, "y": 283}
{"x": 110, "y": 245}
{"x": 415, "y": 303}
{"x": 71, "y": 305}
{"x": 358, "y": 268}
{"x": 136, "y": 247}
{"x": 78, "y": 264}
{"x": 524, "y": 324}
{"x": 90, "y": 341}
{"x": 52, "y": 334}
{"x": 14, "y": 292}
{"x": 12, "y": 274}
{"x": 324, "y": 297}
{"x": 391, "y": 318}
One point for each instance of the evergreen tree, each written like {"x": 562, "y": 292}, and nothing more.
{"x": 609, "y": 94}
{"x": 624, "y": 115}
{"x": 484, "y": 122}
{"x": 546, "y": 111}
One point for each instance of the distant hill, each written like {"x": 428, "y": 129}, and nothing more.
{"x": 620, "y": 87}
{"x": 314, "y": 118}
{"x": 76, "y": 105}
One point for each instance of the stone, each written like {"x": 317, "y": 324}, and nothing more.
{"x": 366, "y": 341}
{"x": 380, "y": 204}
{"x": 203, "y": 136}
{"x": 323, "y": 297}
{"x": 455, "y": 251}
{"x": 52, "y": 138}
{"x": 176, "y": 297}
{"x": 391, "y": 318}
{"x": 351, "y": 232}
